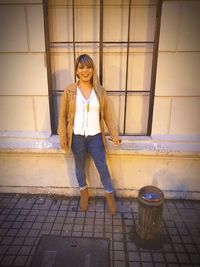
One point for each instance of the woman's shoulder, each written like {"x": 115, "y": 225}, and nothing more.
{"x": 70, "y": 88}
{"x": 101, "y": 90}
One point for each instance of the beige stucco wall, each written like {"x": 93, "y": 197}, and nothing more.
{"x": 23, "y": 84}
{"x": 177, "y": 94}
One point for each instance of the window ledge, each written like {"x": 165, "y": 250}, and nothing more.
{"x": 157, "y": 145}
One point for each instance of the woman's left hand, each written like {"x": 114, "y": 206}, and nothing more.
{"x": 117, "y": 142}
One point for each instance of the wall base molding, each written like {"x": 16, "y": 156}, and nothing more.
{"x": 74, "y": 191}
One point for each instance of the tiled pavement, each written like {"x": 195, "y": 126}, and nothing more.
{"x": 24, "y": 218}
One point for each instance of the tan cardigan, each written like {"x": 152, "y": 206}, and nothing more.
{"x": 67, "y": 113}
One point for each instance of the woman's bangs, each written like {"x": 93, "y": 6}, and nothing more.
{"x": 86, "y": 62}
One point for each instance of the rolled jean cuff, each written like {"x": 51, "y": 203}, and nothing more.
{"x": 109, "y": 191}
{"x": 83, "y": 187}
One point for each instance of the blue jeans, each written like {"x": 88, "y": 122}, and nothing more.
{"x": 93, "y": 145}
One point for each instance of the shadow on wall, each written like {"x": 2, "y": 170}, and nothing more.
{"x": 60, "y": 79}
{"x": 166, "y": 180}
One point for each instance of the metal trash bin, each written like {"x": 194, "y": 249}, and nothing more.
{"x": 151, "y": 201}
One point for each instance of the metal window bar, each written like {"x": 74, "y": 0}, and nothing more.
{"x": 73, "y": 30}
{"x": 101, "y": 44}
{"x": 48, "y": 63}
{"x": 154, "y": 65}
{"x": 127, "y": 65}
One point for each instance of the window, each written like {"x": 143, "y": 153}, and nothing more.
{"x": 122, "y": 38}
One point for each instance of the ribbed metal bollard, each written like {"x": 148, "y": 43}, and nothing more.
{"x": 151, "y": 201}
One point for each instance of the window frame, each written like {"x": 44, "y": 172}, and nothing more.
{"x": 155, "y": 44}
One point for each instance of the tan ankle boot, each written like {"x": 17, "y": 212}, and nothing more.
{"x": 111, "y": 203}
{"x": 84, "y": 199}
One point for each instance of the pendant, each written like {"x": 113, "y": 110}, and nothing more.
{"x": 88, "y": 107}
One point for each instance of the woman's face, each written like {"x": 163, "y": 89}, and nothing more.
{"x": 84, "y": 73}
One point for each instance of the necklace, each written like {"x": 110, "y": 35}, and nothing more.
{"x": 86, "y": 99}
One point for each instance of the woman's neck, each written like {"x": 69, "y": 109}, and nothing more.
{"x": 85, "y": 85}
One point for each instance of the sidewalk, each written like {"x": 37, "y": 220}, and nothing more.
{"x": 24, "y": 218}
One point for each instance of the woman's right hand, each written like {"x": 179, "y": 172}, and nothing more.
{"x": 63, "y": 142}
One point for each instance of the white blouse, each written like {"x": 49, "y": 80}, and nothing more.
{"x": 86, "y": 121}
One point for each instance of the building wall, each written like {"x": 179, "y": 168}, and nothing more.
{"x": 23, "y": 84}
{"x": 177, "y": 94}
{"x": 31, "y": 162}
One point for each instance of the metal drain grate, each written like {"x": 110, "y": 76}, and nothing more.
{"x": 59, "y": 251}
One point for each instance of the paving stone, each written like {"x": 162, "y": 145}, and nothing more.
{"x": 15, "y": 211}
{"x": 118, "y": 236}
{"x": 6, "y": 224}
{"x": 37, "y": 225}
{"x": 25, "y": 250}
{"x": 62, "y": 213}
{"x": 183, "y": 258}
{"x": 98, "y": 235}
{"x": 77, "y": 234}
{"x": 26, "y": 225}
{"x": 88, "y": 228}
{"x": 134, "y": 256}
{"x": 98, "y": 228}
{"x": 59, "y": 219}
{"x": 18, "y": 240}
{"x": 160, "y": 264}
{"x": 79, "y": 221}
{"x": 87, "y": 234}
{"x": 186, "y": 239}
{"x": 29, "y": 241}
{"x": 179, "y": 248}
{"x": 8, "y": 260}
{"x": 3, "y": 249}
{"x": 34, "y": 233}
{"x": 7, "y": 240}
{"x": 167, "y": 247}
{"x": 69, "y": 220}
{"x": 20, "y": 260}
{"x": 158, "y": 257}
{"x": 175, "y": 239}
{"x": 6, "y": 211}
{"x": 13, "y": 250}
{"x": 170, "y": 257}
{"x": 119, "y": 264}
{"x": 77, "y": 228}
{"x": 11, "y": 217}
{"x": 34, "y": 212}
{"x": 131, "y": 246}
{"x": 99, "y": 214}
{"x": 12, "y": 232}
{"x": 134, "y": 264}
{"x": 145, "y": 256}
{"x": 53, "y": 212}
{"x": 118, "y": 245}
{"x": 3, "y": 231}
{"x": 190, "y": 248}
{"x": 195, "y": 259}
{"x": 147, "y": 264}
{"x": 30, "y": 218}
{"x": 43, "y": 212}
{"x": 55, "y": 232}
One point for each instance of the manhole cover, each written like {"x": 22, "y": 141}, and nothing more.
{"x": 59, "y": 251}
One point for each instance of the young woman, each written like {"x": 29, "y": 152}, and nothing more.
{"x": 84, "y": 111}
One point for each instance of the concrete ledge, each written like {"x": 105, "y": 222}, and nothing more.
{"x": 43, "y": 142}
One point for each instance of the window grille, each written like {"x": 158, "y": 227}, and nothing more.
{"x": 122, "y": 37}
